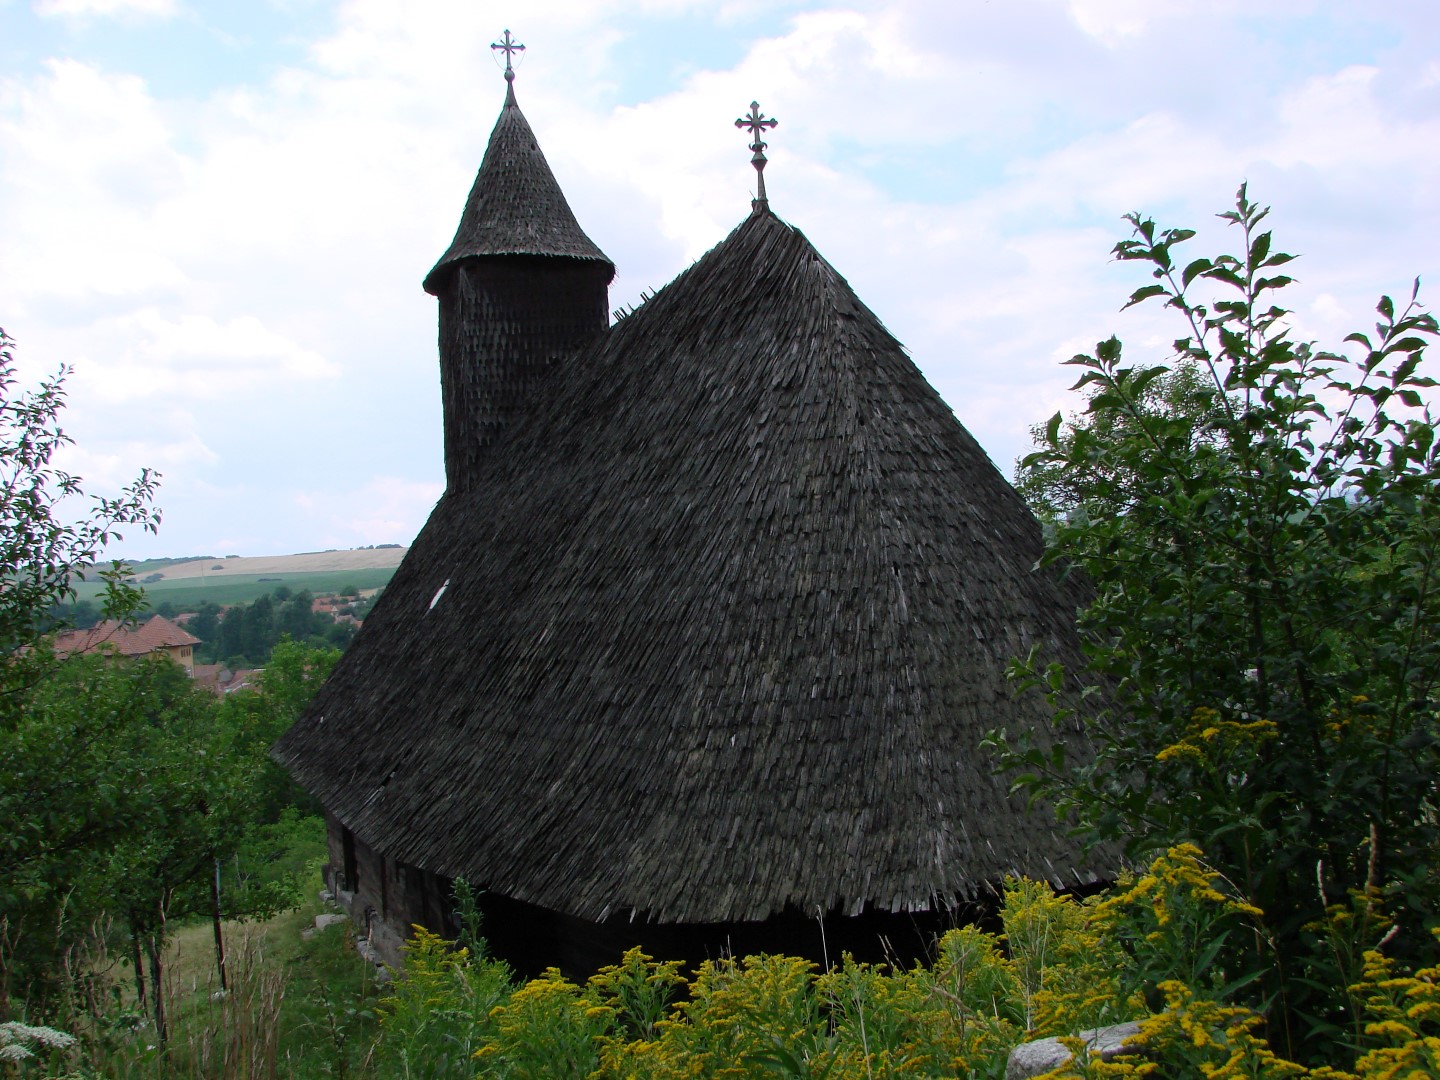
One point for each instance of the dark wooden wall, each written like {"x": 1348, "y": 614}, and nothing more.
{"x": 386, "y": 899}
{"x": 504, "y": 321}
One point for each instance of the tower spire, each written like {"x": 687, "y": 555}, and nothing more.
{"x": 520, "y": 286}
{"x": 757, "y": 122}
{"x": 509, "y": 46}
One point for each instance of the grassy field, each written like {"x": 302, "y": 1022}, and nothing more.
{"x": 224, "y": 587}
{"x": 300, "y": 1005}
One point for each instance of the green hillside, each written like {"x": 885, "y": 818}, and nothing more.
{"x": 231, "y": 588}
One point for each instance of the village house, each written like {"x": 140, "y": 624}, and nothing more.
{"x": 698, "y": 648}
{"x": 221, "y": 680}
{"x": 156, "y": 636}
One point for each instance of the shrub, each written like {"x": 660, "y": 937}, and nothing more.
{"x": 1259, "y": 522}
{"x": 436, "y": 1015}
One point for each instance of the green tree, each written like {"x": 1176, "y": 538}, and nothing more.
{"x": 123, "y": 788}
{"x": 297, "y": 617}
{"x": 339, "y": 634}
{"x": 261, "y": 715}
{"x": 164, "y": 795}
{"x": 1263, "y": 638}
{"x": 1066, "y": 482}
{"x": 41, "y": 552}
{"x": 58, "y": 790}
{"x": 259, "y": 629}
{"x": 205, "y": 624}
{"x": 231, "y": 643}
{"x": 81, "y": 614}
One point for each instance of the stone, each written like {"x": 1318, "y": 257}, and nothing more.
{"x": 369, "y": 953}
{"x": 328, "y": 919}
{"x": 1042, "y": 1055}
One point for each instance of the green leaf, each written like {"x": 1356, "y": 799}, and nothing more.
{"x": 1406, "y": 344}
{"x": 1259, "y": 249}
{"x": 1194, "y": 269}
{"x": 1277, "y": 282}
{"x": 1052, "y": 430}
{"x": 1145, "y": 293}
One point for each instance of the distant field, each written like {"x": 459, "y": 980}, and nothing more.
{"x": 304, "y": 563}
{"x": 241, "y": 580}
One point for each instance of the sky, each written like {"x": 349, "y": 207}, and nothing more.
{"x": 218, "y": 215}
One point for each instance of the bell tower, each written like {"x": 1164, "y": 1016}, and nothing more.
{"x": 520, "y": 288}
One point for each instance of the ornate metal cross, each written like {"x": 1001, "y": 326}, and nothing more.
{"x": 757, "y": 122}
{"x": 509, "y": 46}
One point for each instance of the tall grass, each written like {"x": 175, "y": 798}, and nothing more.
{"x": 299, "y": 1003}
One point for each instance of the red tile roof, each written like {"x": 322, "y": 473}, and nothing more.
{"x": 158, "y": 633}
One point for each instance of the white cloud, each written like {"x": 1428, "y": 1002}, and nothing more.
{"x": 212, "y": 261}
{"x": 105, "y": 8}
{"x": 109, "y": 470}
{"x": 88, "y": 160}
{"x": 194, "y": 358}
{"x": 382, "y": 510}
{"x": 1109, "y": 20}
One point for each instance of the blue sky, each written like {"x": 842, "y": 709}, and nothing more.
{"x": 219, "y": 214}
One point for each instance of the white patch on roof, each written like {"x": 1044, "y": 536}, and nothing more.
{"x": 438, "y": 593}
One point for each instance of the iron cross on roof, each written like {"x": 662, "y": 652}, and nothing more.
{"x": 757, "y": 122}
{"x": 509, "y": 46}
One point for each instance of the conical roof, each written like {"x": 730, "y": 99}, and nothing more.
{"x": 515, "y": 206}
{"x": 718, "y": 631}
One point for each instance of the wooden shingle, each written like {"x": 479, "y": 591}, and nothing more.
{"x": 715, "y": 629}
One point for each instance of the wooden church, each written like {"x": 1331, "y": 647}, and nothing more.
{"x": 698, "y": 647}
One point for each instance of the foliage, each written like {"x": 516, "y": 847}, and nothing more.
{"x": 1067, "y": 482}
{"x": 41, "y": 553}
{"x": 1259, "y": 523}
{"x": 248, "y": 633}
{"x": 1173, "y": 924}
{"x": 299, "y": 1004}
{"x": 114, "y": 789}
{"x": 1061, "y": 966}
{"x": 271, "y": 864}
{"x": 21, "y": 1044}
{"x": 1063, "y": 963}
{"x": 1192, "y": 1035}
{"x": 546, "y": 1028}
{"x": 63, "y": 787}
{"x": 262, "y": 714}
{"x": 1402, "y": 1019}
{"x": 124, "y": 790}
{"x": 432, "y": 1020}
{"x": 129, "y": 799}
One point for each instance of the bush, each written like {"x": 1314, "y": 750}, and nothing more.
{"x": 1061, "y": 966}
{"x": 1260, "y": 524}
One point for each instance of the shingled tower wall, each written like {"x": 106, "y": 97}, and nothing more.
{"x": 520, "y": 287}
{"x": 504, "y": 320}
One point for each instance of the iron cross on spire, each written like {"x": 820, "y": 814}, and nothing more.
{"x": 509, "y": 46}
{"x": 757, "y": 122}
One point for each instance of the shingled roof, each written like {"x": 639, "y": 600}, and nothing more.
{"x": 516, "y": 206}
{"x": 717, "y": 630}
